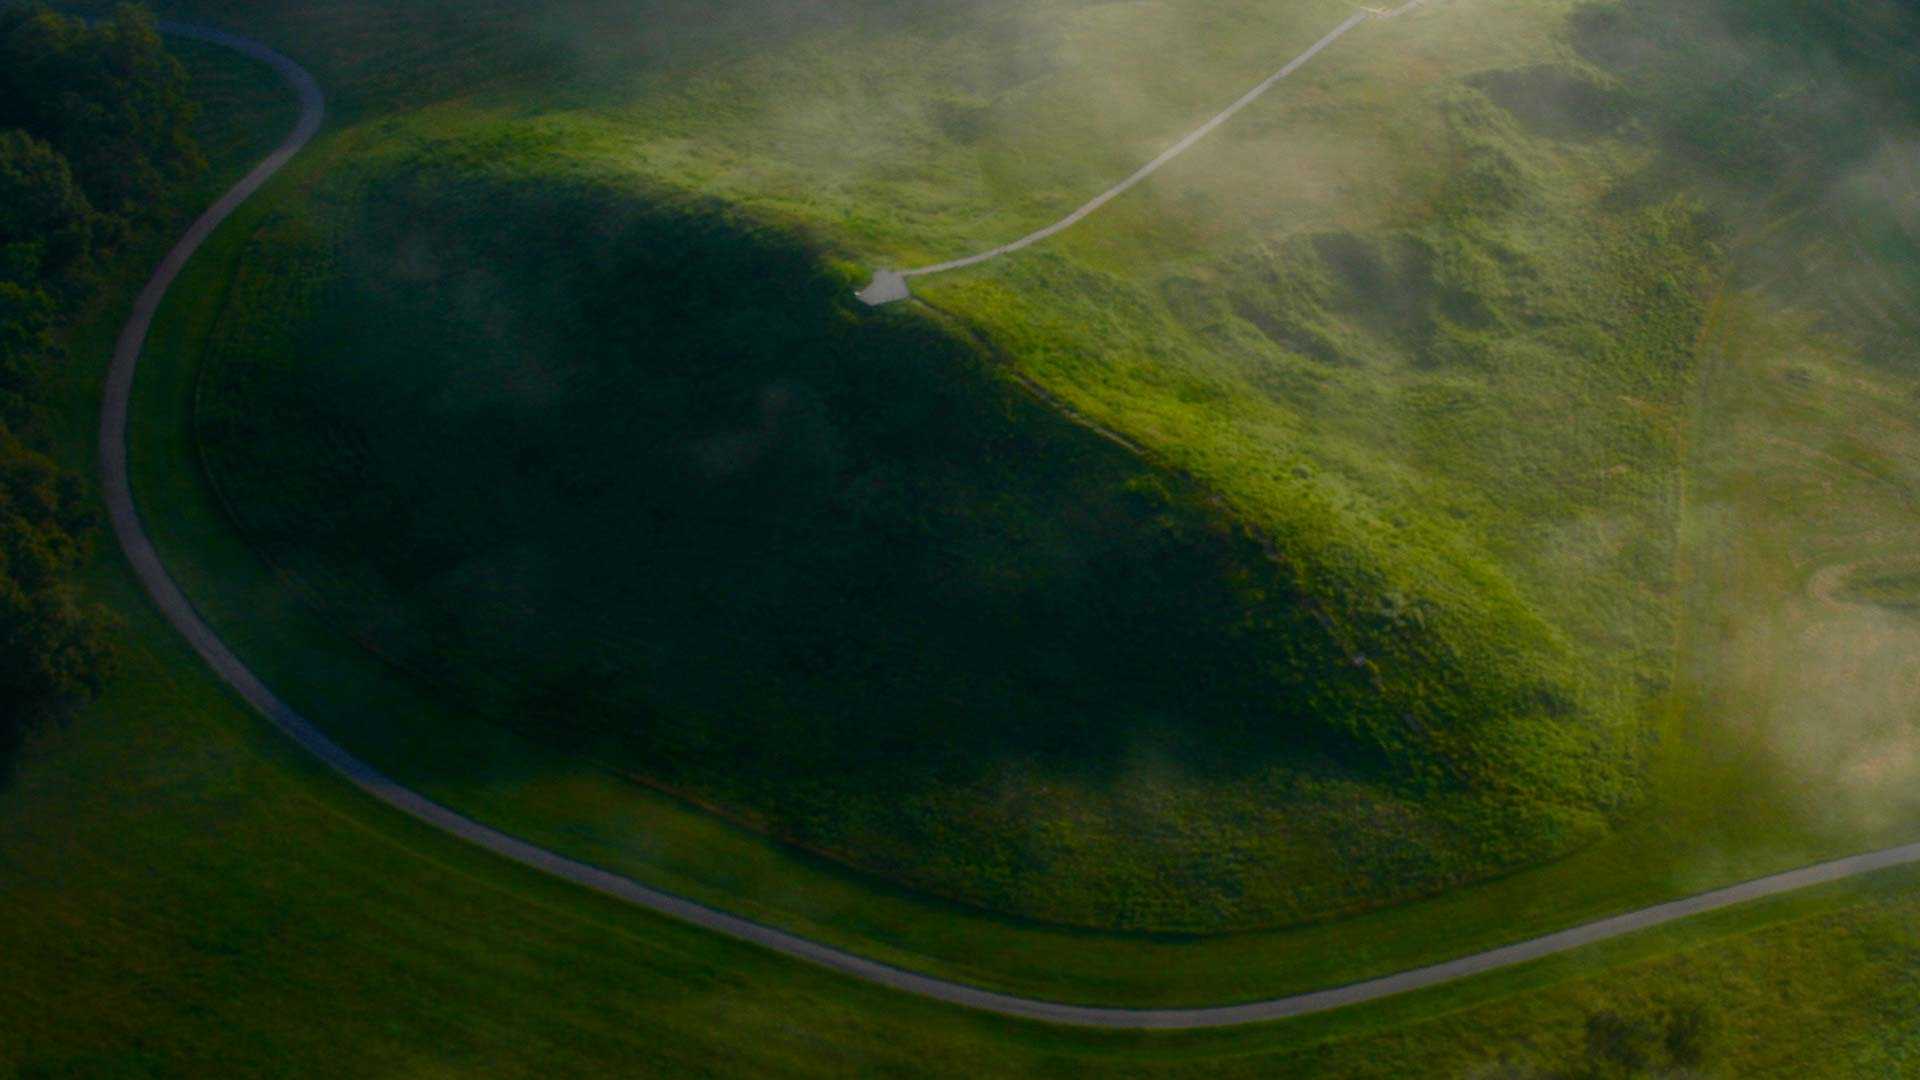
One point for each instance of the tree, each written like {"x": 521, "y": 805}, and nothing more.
{"x": 53, "y": 648}
{"x": 94, "y": 123}
{"x": 108, "y": 97}
{"x": 1674, "y": 1042}
{"x": 27, "y": 348}
{"x": 46, "y": 222}
{"x": 46, "y": 250}
{"x": 1620, "y": 1046}
{"x": 1689, "y": 1037}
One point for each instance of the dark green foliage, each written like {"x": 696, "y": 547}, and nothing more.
{"x": 51, "y": 648}
{"x": 27, "y": 347}
{"x": 107, "y": 96}
{"x": 94, "y": 124}
{"x": 46, "y": 222}
{"x": 46, "y": 244}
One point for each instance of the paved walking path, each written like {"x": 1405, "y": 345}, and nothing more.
{"x": 180, "y": 613}
{"x": 889, "y": 286}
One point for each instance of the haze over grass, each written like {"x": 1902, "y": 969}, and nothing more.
{"x": 1409, "y": 360}
{"x": 167, "y": 835}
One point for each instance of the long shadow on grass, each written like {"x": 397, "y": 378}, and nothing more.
{"x": 634, "y": 466}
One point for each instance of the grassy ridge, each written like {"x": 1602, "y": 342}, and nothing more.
{"x": 150, "y": 843}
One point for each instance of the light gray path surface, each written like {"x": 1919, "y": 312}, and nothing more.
{"x": 891, "y": 285}
{"x": 180, "y": 613}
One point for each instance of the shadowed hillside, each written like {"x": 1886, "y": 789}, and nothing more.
{"x": 1372, "y": 592}
{"x": 634, "y": 476}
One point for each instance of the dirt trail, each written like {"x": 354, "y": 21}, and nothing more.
{"x": 180, "y": 613}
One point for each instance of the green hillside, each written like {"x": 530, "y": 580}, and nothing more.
{"x": 640, "y": 480}
{"x": 606, "y": 467}
{"x": 183, "y": 893}
{"x": 1274, "y": 546}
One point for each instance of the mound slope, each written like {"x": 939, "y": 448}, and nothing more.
{"x": 631, "y": 473}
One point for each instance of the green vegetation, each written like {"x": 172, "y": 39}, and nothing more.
{"x": 1538, "y": 253}
{"x": 51, "y": 649}
{"x": 110, "y": 99}
{"x": 621, "y": 473}
{"x": 184, "y": 894}
{"x": 1712, "y": 814}
{"x": 93, "y": 125}
{"x": 616, "y": 456}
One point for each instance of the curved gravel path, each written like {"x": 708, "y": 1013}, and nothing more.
{"x": 180, "y": 613}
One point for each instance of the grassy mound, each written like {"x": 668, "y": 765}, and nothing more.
{"x": 1379, "y": 604}
{"x": 633, "y": 474}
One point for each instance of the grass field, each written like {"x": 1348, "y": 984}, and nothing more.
{"x": 1122, "y": 843}
{"x": 185, "y": 895}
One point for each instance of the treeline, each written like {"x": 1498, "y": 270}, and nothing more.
{"x": 94, "y": 127}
